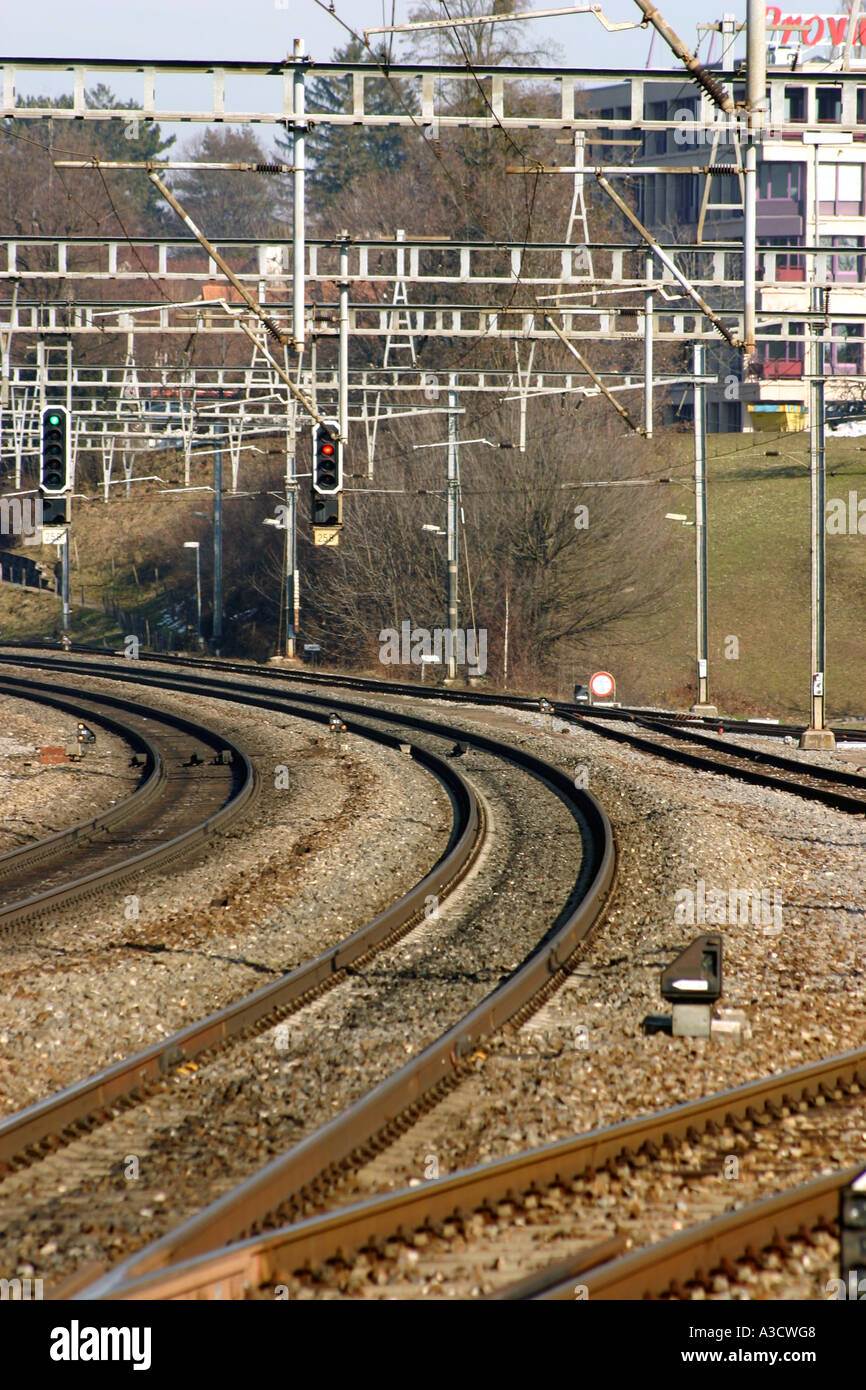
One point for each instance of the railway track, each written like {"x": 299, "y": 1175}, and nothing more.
{"x": 337, "y": 681}
{"x": 194, "y": 782}
{"x": 372, "y": 1122}
{"x": 835, "y": 787}
{"x": 675, "y": 1267}
{"x": 844, "y": 791}
{"x": 40, "y": 1128}
{"x": 316, "y": 1166}
{"x": 446, "y": 1208}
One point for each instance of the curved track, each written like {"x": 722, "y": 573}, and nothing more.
{"x": 373, "y": 1121}
{"x": 194, "y": 782}
{"x": 836, "y": 787}
{"x": 178, "y": 1266}
{"x": 444, "y": 1208}
{"x": 338, "y": 681}
{"x": 42, "y": 1127}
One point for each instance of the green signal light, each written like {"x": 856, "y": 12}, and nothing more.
{"x": 54, "y": 419}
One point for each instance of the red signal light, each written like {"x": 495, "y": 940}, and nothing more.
{"x": 327, "y": 462}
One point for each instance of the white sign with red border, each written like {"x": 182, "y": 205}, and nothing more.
{"x": 603, "y": 685}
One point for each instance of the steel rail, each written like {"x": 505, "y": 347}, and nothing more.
{"x": 451, "y": 696}
{"x": 388, "y": 1107}
{"x": 44, "y": 1122}
{"x": 817, "y": 784}
{"x": 52, "y": 899}
{"x": 152, "y": 776}
{"x": 674, "y": 730}
{"x": 692, "y": 1256}
{"x": 276, "y": 1256}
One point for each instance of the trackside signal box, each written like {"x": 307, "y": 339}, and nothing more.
{"x": 326, "y": 501}
{"x": 693, "y": 983}
{"x": 695, "y": 977}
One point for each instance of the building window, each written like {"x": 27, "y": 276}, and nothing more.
{"x": 847, "y": 265}
{"x": 723, "y": 417}
{"x": 829, "y": 105}
{"x": 795, "y": 105}
{"x": 686, "y": 186}
{"x": 781, "y": 180}
{"x": 657, "y": 140}
{"x": 781, "y": 357}
{"x": 840, "y": 189}
{"x": 861, "y": 105}
{"x": 845, "y": 358}
{"x": 790, "y": 266}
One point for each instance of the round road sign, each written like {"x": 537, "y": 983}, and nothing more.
{"x": 602, "y": 685}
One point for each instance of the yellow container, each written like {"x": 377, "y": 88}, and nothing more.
{"x": 784, "y": 418}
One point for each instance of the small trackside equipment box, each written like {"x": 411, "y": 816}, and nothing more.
{"x": 695, "y": 977}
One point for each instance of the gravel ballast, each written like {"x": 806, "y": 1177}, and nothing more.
{"x": 216, "y": 1124}
{"x": 330, "y": 842}
{"x": 580, "y": 1062}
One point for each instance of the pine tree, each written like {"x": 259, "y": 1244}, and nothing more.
{"x": 38, "y": 198}
{"x": 225, "y": 204}
{"x": 338, "y": 154}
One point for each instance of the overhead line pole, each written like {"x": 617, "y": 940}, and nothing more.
{"x": 64, "y": 579}
{"x": 852, "y": 29}
{"x": 291, "y": 576}
{"x": 344, "y": 338}
{"x": 217, "y": 621}
{"x": 648, "y": 352}
{"x": 702, "y": 705}
{"x": 756, "y": 95}
{"x": 817, "y": 735}
{"x": 299, "y": 148}
{"x": 451, "y": 523}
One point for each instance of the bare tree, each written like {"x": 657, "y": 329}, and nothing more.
{"x": 481, "y": 45}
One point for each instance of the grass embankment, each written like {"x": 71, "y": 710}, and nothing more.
{"x": 758, "y": 590}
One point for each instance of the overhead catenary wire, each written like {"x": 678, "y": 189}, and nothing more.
{"x": 530, "y": 199}
{"x": 532, "y": 167}
{"x": 432, "y": 145}
{"x": 502, "y": 128}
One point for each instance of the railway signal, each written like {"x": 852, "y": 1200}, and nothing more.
{"x": 55, "y": 482}
{"x": 327, "y": 504}
{"x": 693, "y": 983}
{"x": 327, "y": 460}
